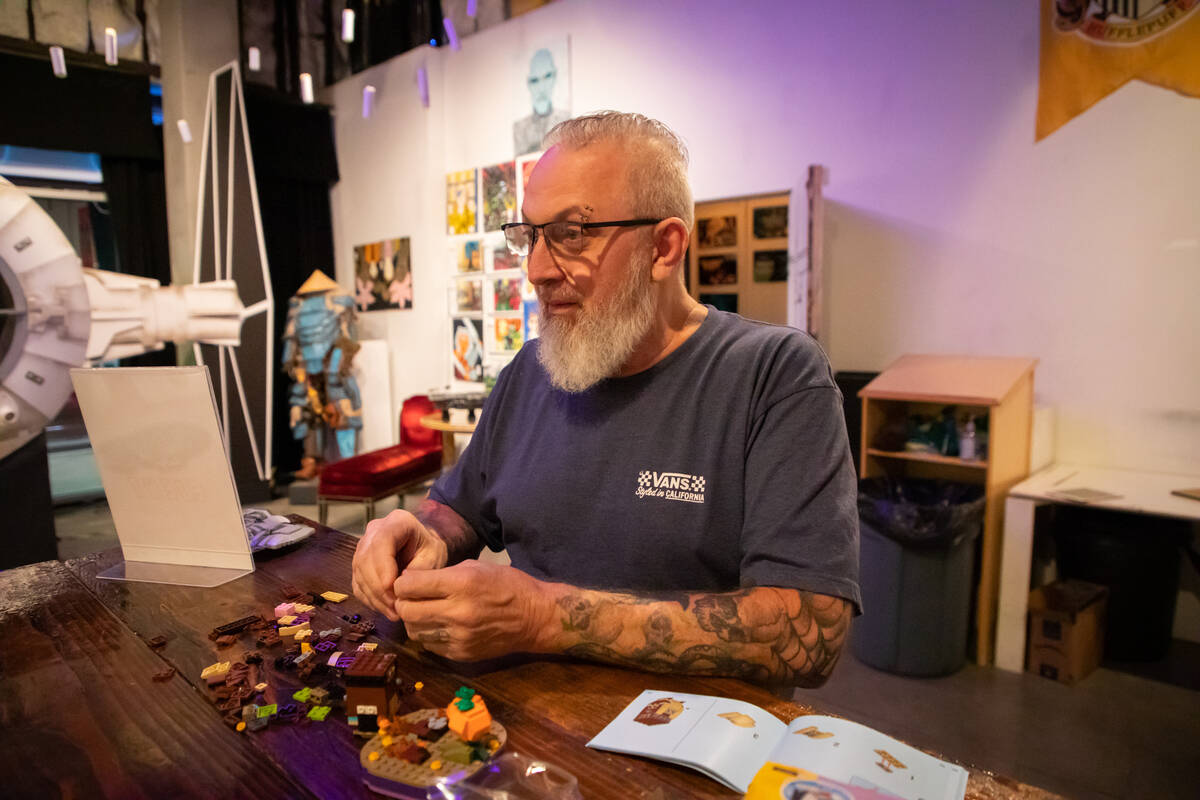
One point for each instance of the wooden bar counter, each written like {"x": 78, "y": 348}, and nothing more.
{"x": 83, "y": 715}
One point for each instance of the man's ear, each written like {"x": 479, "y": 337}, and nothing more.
{"x": 670, "y": 247}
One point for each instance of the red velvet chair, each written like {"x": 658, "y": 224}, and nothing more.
{"x": 368, "y": 477}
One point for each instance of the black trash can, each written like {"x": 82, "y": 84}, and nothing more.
{"x": 917, "y": 559}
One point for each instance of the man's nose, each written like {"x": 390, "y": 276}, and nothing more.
{"x": 541, "y": 265}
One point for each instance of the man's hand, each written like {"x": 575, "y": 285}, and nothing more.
{"x": 474, "y": 610}
{"x": 397, "y": 541}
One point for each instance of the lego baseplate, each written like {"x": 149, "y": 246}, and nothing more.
{"x": 390, "y": 774}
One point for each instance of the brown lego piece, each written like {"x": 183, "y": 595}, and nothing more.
{"x": 157, "y": 642}
{"x": 164, "y": 674}
{"x": 225, "y": 641}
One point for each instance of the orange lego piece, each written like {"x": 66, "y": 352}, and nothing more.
{"x": 468, "y": 716}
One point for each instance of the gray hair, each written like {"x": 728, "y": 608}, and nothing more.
{"x": 658, "y": 173}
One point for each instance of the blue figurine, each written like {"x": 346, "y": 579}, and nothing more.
{"x": 319, "y": 344}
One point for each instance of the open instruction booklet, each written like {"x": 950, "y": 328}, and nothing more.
{"x": 731, "y": 741}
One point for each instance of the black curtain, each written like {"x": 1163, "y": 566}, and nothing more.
{"x": 104, "y": 111}
{"x": 137, "y": 201}
{"x": 295, "y": 163}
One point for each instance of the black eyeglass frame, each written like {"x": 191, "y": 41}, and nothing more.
{"x": 539, "y": 229}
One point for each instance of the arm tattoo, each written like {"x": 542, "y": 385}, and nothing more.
{"x": 765, "y": 634}
{"x": 461, "y": 540}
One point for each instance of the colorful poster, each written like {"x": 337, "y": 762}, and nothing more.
{"x": 771, "y": 222}
{"x": 509, "y": 336}
{"x": 469, "y": 296}
{"x": 467, "y": 256}
{"x": 461, "y": 202}
{"x": 499, "y": 195}
{"x": 504, "y": 259}
{"x": 525, "y": 165}
{"x": 506, "y": 294}
{"x": 383, "y": 275}
{"x": 770, "y": 265}
{"x": 466, "y": 348}
{"x": 541, "y": 86}
{"x": 529, "y": 309}
{"x": 717, "y": 270}
{"x": 1090, "y": 48}
{"x": 716, "y": 232}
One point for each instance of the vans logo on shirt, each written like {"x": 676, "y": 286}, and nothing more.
{"x": 671, "y": 486}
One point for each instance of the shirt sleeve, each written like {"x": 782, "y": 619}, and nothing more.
{"x": 800, "y": 525}
{"x": 464, "y": 487}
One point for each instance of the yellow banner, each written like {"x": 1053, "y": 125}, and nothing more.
{"x": 1091, "y": 48}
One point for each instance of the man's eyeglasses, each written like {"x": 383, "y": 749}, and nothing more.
{"x": 565, "y": 236}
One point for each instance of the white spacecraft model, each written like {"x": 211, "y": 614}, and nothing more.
{"x": 55, "y": 314}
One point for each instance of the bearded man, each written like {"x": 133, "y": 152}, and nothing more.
{"x": 672, "y": 482}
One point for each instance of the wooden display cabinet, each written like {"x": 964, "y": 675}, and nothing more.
{"x": 998, "y": 389}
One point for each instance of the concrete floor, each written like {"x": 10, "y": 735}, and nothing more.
{"x": 1114, "y": 735}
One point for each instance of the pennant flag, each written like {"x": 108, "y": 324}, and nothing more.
{"x": 1091, "y": 48}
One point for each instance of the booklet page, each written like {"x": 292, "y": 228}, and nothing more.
{"x": 859, "y": 756}
{"x": 726, "y": 739}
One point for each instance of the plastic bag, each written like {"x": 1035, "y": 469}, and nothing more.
{"x": 921, "y": 513}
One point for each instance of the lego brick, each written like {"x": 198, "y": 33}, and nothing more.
{"x": 236, "y": 626}
{"x": 303, "y": 608}
{"x": 215, "y": 673}
{"x": 290, "y": 630}
{"x": 302, "y": 695}
{"x": 225, "y": 641}
{"x": 164, "y": 674}
{"x": 266, "y": 711}
{"x": 318, "y": 713}
{"x": 284, "y": 609}
{"x": 371, "y": 665}
{"x": 334, "y": 597}
{"x": 287, "y": 619}
{"x": 156, "y": 642}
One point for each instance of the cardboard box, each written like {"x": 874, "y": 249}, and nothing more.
{"x": 1066, "y": 630}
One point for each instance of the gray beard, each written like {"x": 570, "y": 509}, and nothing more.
{"x": 577, "y": 354}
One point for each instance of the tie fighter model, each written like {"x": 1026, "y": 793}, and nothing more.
{"x": 55, "y": 314}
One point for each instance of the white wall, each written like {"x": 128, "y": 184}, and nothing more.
{"x": 949, "y": 230}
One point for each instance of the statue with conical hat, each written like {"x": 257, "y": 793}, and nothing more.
{"x": 319, "y": 343}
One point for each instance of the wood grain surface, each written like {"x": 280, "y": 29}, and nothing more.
{"x": 81, "y": 715}
{"x": 76, "y": 680}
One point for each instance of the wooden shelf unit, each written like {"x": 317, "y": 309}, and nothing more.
{"x": 998, "y": 389}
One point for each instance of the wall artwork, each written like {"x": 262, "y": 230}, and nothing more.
{"x": 529, "y": 309}
{"x": 716, "y": 232}
{"x": 383, "y": 275}
{"x": 506, "y": 294}
{"x": 721, "y": 302}
{"x": 467, "y": 256}
{"x": 717, "y": 270}
{"x": 771, "y": 222}
{"x": 468, "y": 296}
{"x": 541, "y": 93}
{"x": 770, "y": 266}
{"x": 525, "y": 165}
{"x": 499, "y": 195}
{"x": 461, "y": 202}
{"x": 509, "y": 334}
{"x": 503, "y": 258}
{"x": 466, "y": 348}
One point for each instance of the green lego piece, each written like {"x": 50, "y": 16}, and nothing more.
{"x": 319, "y": 713}
{"x": 465, "y": 701}
{"x": 302, "y": 695}
{"x": 267, "y": 711}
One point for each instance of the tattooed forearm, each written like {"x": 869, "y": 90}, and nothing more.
{"x": 461, "y": 540}
{"x": 765, "y": 634}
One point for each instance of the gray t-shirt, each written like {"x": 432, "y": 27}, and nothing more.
{"x": 724, "y": 465}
